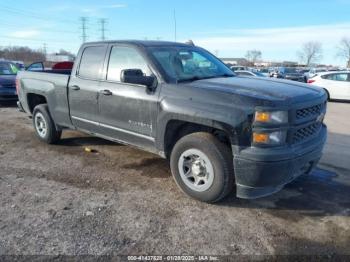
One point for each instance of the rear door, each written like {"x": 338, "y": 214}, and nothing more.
{"x": 83, "y": 88}
{"x": 127, "y": 111}
{"x": 338, "y": 85}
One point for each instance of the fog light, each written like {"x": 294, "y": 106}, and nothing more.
{"x": 260, "y": 138}
{"x": 273, "y": 138}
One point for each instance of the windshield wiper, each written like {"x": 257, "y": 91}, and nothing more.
{"x": 224, "y": 75}
{"x": 190, "y": 79}
{"x": 195, "y": 78}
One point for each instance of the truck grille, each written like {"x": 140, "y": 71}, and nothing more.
{"x": 309, "y": 111}
{"x": 306, "y": 132}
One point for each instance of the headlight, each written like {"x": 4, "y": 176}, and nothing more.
{"x": 273, "y": 117}
{"x": 269, "y": 138}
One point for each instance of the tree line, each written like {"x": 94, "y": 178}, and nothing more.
{"x": 26, "y": 54}
{"x": 310, "y": 53}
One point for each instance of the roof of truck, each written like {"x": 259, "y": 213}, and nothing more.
{"x": 145, "y": 43}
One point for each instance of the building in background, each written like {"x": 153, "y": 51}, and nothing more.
{"x": 55, "y": 57}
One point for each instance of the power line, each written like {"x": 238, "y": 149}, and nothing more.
{"x": 103, "y": 23}
{"x": 83, "y": 21}
{"x": 175, "y": 25}
{"x": 30, "y": 14}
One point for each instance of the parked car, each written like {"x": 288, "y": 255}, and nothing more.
{"x": 235, "y": 68}
{"x": 315, "y": 71}
{"x": 248, "y": 73}
{"x": 182, "y": 103}
{"x": 289, "y": 73}
{"x": 337, "y": 84}
{"x": 265, "y": 71}
{"x": 8, "y": 71}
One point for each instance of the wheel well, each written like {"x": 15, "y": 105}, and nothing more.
{"x": 177, "y": 129}
{"x": 34, "y": 100}
{"x": 328, "y": 96}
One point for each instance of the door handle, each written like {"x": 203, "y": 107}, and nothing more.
{"x": 106, "y": 92}
{"x": 75, "y": 87}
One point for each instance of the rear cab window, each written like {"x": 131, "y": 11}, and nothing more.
{"x": 91, "y": 63}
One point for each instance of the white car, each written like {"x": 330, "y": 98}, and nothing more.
{"x": 337, "y": 84}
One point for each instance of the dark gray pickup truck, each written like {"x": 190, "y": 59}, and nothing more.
{"x": 179, "y": 101}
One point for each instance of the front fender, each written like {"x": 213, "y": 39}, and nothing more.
{"x": 230, "y": 119}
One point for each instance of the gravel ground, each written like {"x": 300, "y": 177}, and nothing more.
{"x": 119, "y": 200}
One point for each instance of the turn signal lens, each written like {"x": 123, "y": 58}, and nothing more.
{"x": 260, "y": 138}
{"x": 262, "y": 117}
{"x": 272, "y": 117}
{"x": 273, "y": 138}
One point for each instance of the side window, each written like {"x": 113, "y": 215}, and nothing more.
{"x": 123, "y": 57}
{"x": 328, "y": 77}
{"x": 39, "y": 66}
{"x": 341, "y": 77}
{"x": 92, "y": 62}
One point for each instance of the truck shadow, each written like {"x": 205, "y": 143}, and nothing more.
{"x": 86, "y": 141}
{"x": 316, "y": 194}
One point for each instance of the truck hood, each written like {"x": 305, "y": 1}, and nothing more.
{"x": 263, "y": 88}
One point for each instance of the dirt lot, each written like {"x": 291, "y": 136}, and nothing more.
{"x": 62, "y": 200}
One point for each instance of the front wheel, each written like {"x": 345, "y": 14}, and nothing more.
{"x": 202, "y": 167}
{"x": 45, "y": 128}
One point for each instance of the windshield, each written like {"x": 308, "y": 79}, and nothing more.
{"x": 189, "y": 64}
{"x": 8, "y": 69}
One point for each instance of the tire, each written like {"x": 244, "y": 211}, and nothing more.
{"x": 44, "y": 126}
{"x": 202, "y": 153}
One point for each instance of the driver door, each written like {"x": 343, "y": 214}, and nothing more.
{"x": 127, "y": 111}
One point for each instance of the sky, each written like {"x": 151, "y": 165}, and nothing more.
{"x": 227, "y": 28}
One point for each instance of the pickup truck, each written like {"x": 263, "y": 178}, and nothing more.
{"x": 219, "y": 131}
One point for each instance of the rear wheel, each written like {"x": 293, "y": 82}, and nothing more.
{"x": 202, "y": 167}
{"x": 45, "y": 128}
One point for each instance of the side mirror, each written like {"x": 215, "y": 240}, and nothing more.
{"x": 136, "y": 76}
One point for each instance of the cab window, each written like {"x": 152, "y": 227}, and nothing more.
{"x": 123, "y": 57}
{"x": 91, "y": 62}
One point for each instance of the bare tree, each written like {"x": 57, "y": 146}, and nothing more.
{"x": 310, "y": 53}
{"x": 344, "y": 50}
{"x": 22, "y": 53}
{"x": 253, "y": 56}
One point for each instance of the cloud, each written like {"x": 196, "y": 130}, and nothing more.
{"x": 279, "y": 43}
{"x": 25, "y": 33}
{"x": 115, "y": 6}
{"x": 96, "y": 9}
{"x": 274, "y": 38}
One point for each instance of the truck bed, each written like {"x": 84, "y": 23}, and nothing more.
{"x": 51, "y": 84}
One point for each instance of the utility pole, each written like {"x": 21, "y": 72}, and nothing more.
{"x": 83, "y": 21}
{"x": 103, "y": 22}
{"x": 45, "y": 50}
{"x": 175, "y": 25}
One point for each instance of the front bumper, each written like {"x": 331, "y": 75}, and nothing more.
{"x": 258, "y": 175}
{"x": 7, "y": 94}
